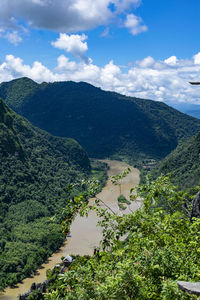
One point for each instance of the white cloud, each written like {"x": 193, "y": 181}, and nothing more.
{"x": 197, "y": 59}
{"x": 135, "y": 24}
{"x": 157, "y": 80}
{"x": 39, "y": 2}
{"x": 13, "y": 37}
{"x": 172, "y": 60}
{"x": 67, "y": 16}
{"x": 146, "y": 62}
{"x": 74, "y": 44}
{"x": 122, "y": 5}
{"x": 64, "y": 64}
{"x": 110, "y": 76}
{"x": 14, "y": 68}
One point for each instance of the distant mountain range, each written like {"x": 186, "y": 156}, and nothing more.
{"x": 187, "y": 108}
{"x": 106, "y": 124}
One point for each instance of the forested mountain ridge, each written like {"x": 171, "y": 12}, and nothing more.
{"x": 35, "y": 171}
{"x": 106, "y": 124}
{"x": 183, "y": 163}
{"x": 18, "y": 91}
{"x": 22, "y": 131}
{"x": 9, "y": 142}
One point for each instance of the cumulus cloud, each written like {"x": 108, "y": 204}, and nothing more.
{"x": 64, "y": 64}
{"x": 74, "y": 44}
{"x": 165, "y": 80}
{"x": 146, "y": 62}
{"x": 135, "y": 24}
{"x": 172, "y": 60}
{"x": 197, "y": 59}
{"x": 14, "y": 67}
{"x": 68, "y": 16}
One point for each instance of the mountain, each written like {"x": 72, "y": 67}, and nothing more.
{"x": 9, "y": 141}
{"x": 106, "y": 124}
{"x": 35, "y": 170}
{"x": 187, "y": 108}
{"x": 183, "y": 163}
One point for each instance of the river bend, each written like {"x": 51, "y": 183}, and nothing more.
{"x": 85, "y": 235}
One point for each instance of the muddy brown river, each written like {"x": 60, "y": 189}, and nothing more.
{"x": 85, "y": 235}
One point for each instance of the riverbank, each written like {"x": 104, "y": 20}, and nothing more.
{"x": 85, "y": 235}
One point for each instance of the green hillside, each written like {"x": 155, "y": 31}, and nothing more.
{"x": 183, "y": 163}
{"x": 142, "y": 254}
{"x": 9, "y": 141}
{"x": 106, "y": 124}
{"x": 18, "y": 91}
{"x": 35, "y": 170}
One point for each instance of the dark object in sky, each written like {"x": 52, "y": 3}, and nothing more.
{"x": 194, "y": 83}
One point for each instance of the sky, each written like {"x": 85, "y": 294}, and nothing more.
{"x": 142, "y": 48}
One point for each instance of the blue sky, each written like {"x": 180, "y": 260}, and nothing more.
{"x": 149, "y": 49}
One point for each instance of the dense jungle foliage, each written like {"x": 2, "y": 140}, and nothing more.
{"x": 142, "y": 254}
{"x": 183, "y": 163}
{"x": 106, "y": 124}
{"x": 35, "y": 171}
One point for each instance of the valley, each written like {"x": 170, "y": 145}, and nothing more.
{"x": 106, "y": 124}
{"x": 99, "y": 150}
{"x": 35, "y": 171}
{"x": 85, "y": 235}
{"x": 45, "y": 181}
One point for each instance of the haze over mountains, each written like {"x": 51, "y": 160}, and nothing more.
{"x": 106, "y": 124}
{"x": 187, "y": 108}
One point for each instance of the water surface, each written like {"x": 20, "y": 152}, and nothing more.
{"x": 85, "y": 235}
